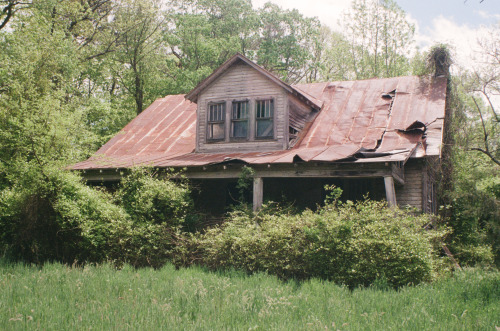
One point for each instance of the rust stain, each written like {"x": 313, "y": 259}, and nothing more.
{"x": 360, "y": 121}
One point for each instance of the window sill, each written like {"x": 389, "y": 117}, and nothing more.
{"x": 240, "y": 140}
{"x": 215, "y": 141}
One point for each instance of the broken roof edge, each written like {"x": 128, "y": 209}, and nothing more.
{"x": 193, "y": 94}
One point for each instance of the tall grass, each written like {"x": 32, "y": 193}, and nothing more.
{"x": 60, "y": 297}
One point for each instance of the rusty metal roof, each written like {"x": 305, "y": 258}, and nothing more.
{"x": 375, "y": 120}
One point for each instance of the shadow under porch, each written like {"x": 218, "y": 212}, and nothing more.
{"x": 215, "y": 196}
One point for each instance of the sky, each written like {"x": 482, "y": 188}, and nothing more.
{"x": 458, "y": 23}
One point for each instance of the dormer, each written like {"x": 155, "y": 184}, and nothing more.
{"x": 242, "y": 107}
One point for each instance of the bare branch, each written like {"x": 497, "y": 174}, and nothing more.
{"x": 11, "y": 7}
{"x": 486, "y": 149}
{"x": 492, "y": 157}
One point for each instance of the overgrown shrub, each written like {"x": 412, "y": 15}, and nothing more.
{"x": 149, "y": 199}
{"x": 141, "y": 245}
{"x": 352, "y": 244}
{"x": 474, "y": 212}
{"x": 55, "y": 216}
{"x": 52, "y": 215}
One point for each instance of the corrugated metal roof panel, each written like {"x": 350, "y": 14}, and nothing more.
{"x": 356, "y": 117}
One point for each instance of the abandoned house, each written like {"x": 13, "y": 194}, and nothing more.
{"x": 372, "y": 137}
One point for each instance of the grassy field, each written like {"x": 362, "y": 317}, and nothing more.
{"x": 57, "y": 297}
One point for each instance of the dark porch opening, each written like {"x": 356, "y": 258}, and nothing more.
{"x": 214, "y": 196}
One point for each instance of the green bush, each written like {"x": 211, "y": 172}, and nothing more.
{"x": 351, "y": 244}
{"x": 55, "y": 216}
{"x": 52, "y": 215}
{"x": 149, "y": 199}
{"x": 475, "y": 220}
{"x": 473, "y": 255}
{"x": 141, "y": 245}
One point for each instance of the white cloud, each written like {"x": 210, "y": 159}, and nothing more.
{"x": 462, "y": 38}
{"x": 487, "y": 16}
{"x": 328, "y": 11}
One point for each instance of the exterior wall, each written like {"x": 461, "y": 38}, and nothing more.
{"x": 429, "y": 190}
{"x": 242, "y": 82}
{"x": 411, "y": 193}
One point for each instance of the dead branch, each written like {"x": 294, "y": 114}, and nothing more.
{"x": 451, "y": 257}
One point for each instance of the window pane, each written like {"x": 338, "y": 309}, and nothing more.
{"x": 240, "y": 110}
{"x": 264, "y": 108}
{"x": 240, "y": 129}
{"x": 216, "y": 112}
{"x": 239, "y": 122}
{"x": 264, "y": 128}
{"x": 216, "y": 118}
{"x": 216, "y": 131}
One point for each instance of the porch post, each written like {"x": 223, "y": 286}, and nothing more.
{"x": 258, "y": 192}
{"x": 390, "y": 192}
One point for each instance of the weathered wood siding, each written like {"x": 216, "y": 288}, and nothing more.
{"x": 238, "y": 83}
{"x": 411, "y": 192}
{"x": 429, "y": 193}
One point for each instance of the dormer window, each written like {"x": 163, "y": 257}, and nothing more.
{"x": 248, "y": 120}
{"x": 264, "y": 115}
{"x": 216, "y": 120}
{"x": 239, "y": 119}
{"x": 241, "y": 107}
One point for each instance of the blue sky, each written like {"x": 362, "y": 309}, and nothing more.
{"x": 472, "y": 12}
{"x": 454, "y": 22}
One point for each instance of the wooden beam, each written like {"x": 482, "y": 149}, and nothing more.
{"x": 305, "y": 170}
{"x": 390, "y": 191}
{"x": 258, "y": 192}
{"x": 291, "y": 172}
{"x": 398, "y": 172}
{"x": 103, "y": 177}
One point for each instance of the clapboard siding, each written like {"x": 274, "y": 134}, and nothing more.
{"x": 410, "y": 194}
{"x": 243, "y": 82}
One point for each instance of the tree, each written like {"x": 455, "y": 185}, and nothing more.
{"x": 288, "y": 40}
{"x": 139, "y": 57}
{"x": 40, "y": 119}
{"x": 205, "y": 33}
{"x": 380, "y": 38}
{"x": 469, "y": 186}
{"x": 474, "y": 192}
{"x": 8, "y": 8}
{"x": 485, "y": 86}
{"x": 331, "y": 57}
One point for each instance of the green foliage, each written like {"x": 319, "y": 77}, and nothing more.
{"x": 104, "y": 119}
{"x": 140, "y": 245}
{"x": 439, "y": 60}
{"x": 473, "y": 210}
{"x": 380, "y": 39}
{"x": 101, "y": 297}
{"x": 38, "y": 119}
{"x": 149, "y": 199}
{"x": 57, "y": 217}
{"x": 204, "y": 33}
{"x": 352, "y": 244}
{"x": 245, "y": 182}
{"x": 287, "y": 42}
{"x": 333, "y": 194}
